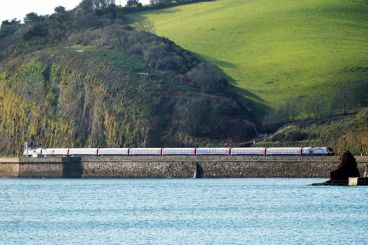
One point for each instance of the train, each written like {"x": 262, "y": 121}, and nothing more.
{"x": 216, "y": 151}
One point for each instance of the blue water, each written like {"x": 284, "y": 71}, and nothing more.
{"x": 172, "y": 211}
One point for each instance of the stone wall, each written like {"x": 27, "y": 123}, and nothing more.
{"x": 9, "y": 167}
{"x": 172, "y": 167}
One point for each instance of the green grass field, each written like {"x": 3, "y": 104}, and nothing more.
{"x": 274, "y": 49}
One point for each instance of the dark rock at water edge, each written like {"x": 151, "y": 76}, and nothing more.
{"x": 348, "y": 168}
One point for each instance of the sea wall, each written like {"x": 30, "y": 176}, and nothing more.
{"x": 9, "y": 167}
{"x": 172, "y": 167}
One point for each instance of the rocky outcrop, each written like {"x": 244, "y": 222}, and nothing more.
{"x": 348, "y": 168}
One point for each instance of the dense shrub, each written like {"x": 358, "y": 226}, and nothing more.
{"x": 39, "y": 29}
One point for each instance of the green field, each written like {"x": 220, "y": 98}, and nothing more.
{"x": 273, "y": 50}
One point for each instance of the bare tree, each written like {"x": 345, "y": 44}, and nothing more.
{"x": 342, "y": 99}
{"x": 92, "y": 5}
{"x": 315, "y": 107}
{"x": 292, "y": 108}
{"x": 145, "y": 26}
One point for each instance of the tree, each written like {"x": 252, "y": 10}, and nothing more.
{"x": 362, "y": 117}
{"x": 133, "y": 3}
{"x": 315, "y": 107}
{"x": 39, "y": 29}
{"x": 145, "y": 26}
{"x": 359, "y": 94}
{"x": 349, "y": 97}
{"x": 342, "y": 99}
{"x": 291, "y": 108}
{"x": 95, "y": 5}
{"x": 32, "y": 18}
{"x": 206, "y": 77}
{"x": 60, "y": 10}
{"x": 9, "y": 27}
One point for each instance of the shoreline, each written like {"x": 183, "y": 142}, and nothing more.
{"x": 173, "y": 167}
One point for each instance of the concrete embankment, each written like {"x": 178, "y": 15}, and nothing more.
{"x": 172, "y": 167}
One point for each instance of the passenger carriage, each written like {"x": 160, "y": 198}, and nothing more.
{"x": 215, "y": 151}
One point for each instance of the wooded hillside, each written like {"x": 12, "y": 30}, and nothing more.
{"x": 84, "y": 78}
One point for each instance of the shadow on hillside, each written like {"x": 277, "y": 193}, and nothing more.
{"x": 258, "y": 104}
{"x": 259, "y": 107}
{"x": 222, "y": 63}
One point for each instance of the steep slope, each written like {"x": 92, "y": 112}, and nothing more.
{"x": 78, "y": 79}
{"x": 342, "y": 133}
{"x": 275, "y": 49}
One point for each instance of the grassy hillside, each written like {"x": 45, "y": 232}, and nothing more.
{"x": 274, "y": 49}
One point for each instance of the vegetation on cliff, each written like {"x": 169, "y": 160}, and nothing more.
{"x": 85, "y": 78}
{"x": 342, "y": 133}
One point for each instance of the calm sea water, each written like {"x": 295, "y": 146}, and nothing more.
{"x": 172, "y": 211}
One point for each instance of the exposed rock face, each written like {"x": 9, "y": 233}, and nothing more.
{"x": 347, "y": 168}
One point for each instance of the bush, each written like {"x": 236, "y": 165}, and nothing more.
{"x": 38, "y": 30}
{"x": 296, "y": 136}
{"x": 32, "y": 18}
{"x": 60, "y": 10}
{"x": 145, "y": 26}
{"x": 9, "y": 27}
{"x": 362, "y": 117}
